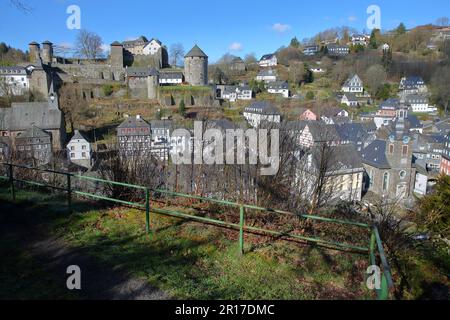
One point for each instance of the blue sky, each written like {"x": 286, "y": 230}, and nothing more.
{"x": 218, "y": 27}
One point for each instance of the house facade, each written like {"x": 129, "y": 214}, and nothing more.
{"x": 267, "y": 75}
{"x": 419, "y": 103}
{"x": 16, "y": 80}
{"x": 34, "y": 146}
{"x": 268, "y": 60}
{"x": 335, "y": 50}
{"x": 261, "y": 111}
{"x": 445, "y": 161}
{"x": 79, "y": 150}
{"x": 311, "y": 50}
{"x": 353, "y": 84}
{"x": 279, "y": 87}
{"x": 134, "y": 137}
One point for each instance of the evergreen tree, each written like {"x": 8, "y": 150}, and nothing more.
{"x": 401, "y": 29}
{"x": 182, "y": 109}
{"x": 373, "y": 43}
{"x": 295, "y": 43}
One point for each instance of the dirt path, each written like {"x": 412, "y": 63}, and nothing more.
{"x": 53, "y": 255}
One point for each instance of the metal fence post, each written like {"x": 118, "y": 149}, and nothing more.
{"x": 11, "y": 180}
{"x": 69, "y": 193}
{"x": 147, "y": 210}
{"x": 241, "y": 230}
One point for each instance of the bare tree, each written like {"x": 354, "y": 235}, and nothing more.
{"x": 176, "y": 54}
{"x": 21, "y": 5}
{"x": 89, "y": 45}
{"x": 376, "y": 75}
{"x": 443, "y": 22}
{"x": 6, "y": 90}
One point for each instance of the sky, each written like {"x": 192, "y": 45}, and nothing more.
{"x": 218, "y": 27}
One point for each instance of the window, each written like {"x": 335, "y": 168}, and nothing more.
{"x": 83, "y": 147}
{"x": 402, "y": 174}
{"x": 72, "y": 148}
{"x": 391, "y": 149}
{"x": 83, "y": 154}
{"x": 72, "y": 155}
{"x": 386, "y": 181}
{"x": 405, "y": 151}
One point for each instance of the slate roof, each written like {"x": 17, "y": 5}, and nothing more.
{"x": 279, "y": 85}
{"x": 141, "y": 72}
{"x": 375, "y": 155}
{"x": 416, "y": 98}
{"x": 161, "y": 124}
{"x": 134, "y": 122}
{"x": 171, "y": 75}
{"x": 322, "y": 132}
{"x": 25, "y": 114}
{"x": 390, "y": 104}
{"x": 34, "y": 132}
{"x": 263, "y": 107}
{"x": 13, "y": 70}
{"x": 196, "y": 52}
{"x": 296, "y": 126}
{"x": 78, "y": 136}
{"x": 267, "y": 57}
{"x": 116, "y": 44}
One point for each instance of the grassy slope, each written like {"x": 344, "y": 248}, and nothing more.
{"x": 189, "y": 260}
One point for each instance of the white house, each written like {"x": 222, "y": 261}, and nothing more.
{"x": 419, "y": 104}
{"x": 170, "y": 78}
{"x": 268, "y": 60}
{"x": 79, "y": 150}
{"x": 152, "y": 47}
{"x": 353, "y": 84}
{"x": 317, "y": 70}
{"x": 359, "y": 39}
{"x": 261, "y": 111}
{"x": 279, "y": 87}
{"x": 16, "y": 79}
{"x": 350, "y": 100}
{"x": 233, "y": 93}
{"x": 413, "y": 85}
{"x": 267, "y": 75}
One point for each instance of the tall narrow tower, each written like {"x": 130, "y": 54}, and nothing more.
{"x": 196, "y": 67}
{"x": 34, "y": 51}
{"x": 47, "y": 52}
{"x": 116, "y": 59}
{"x": 153, "y": 83}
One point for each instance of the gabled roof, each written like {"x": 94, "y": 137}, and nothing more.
{"x": 267, "y": 57}
{"x": 351, "y": 79}
{"x": 263, "y": 107}
{"x": 34, "y": 132}
{"x": 375, "y": 155}
{"x": 134, "y": 122}
{"x": 142, "y": 72}
{"x": 25, "y": 114}
{"x": 78, "y": 136}
{"x": 322, "y": 132}
{"x": 279, "y": 85}
{"x": 390, "y": 104}
{"x": 196, "y": 52}
{"x": 267, "y": 73}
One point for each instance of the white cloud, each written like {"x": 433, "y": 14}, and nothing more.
{"x": 352, "y": 18}
{"x": 281, "y": 27}
{"x": 106, "y": 48}
{"x": 236, "y": 46}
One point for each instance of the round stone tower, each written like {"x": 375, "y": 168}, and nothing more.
{"x": 196, "y": 67}
{"x": 116, "y": 59}
{"x": 34, "y": 51}
{"x": 47, "y": 52}
{"x": 153, "y": 84}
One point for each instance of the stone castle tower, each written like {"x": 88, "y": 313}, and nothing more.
{"x": 34, "y": 52}
{"x": 153, "y": 84}
{"x": 116, "y": 59}
{"x": 196, "y": 67}
{"x": 47, "y": 52}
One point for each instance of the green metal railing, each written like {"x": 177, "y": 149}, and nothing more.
{"x": 374, "y": 250}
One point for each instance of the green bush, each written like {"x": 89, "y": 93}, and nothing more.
{"x": 108, "y": 89}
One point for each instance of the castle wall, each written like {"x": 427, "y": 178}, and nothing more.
{"x": 94, "y": 72}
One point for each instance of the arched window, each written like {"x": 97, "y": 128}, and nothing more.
{"x": 386, "y": 181}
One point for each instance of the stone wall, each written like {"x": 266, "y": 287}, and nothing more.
{"x": 95, "y": 72}
{"x": 196, "y": 71}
